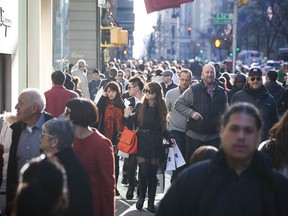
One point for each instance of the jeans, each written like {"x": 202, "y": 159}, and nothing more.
{"x": 192, "y": 144}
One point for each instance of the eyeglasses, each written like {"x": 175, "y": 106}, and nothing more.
{"x": 45, "y": 134}
{"x": 256, "y": 78}
{"x": 146, "y": 91}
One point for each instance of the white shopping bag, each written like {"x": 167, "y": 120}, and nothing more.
{"x": 160, "y": 181}
{"x": 170, "y": 165}
{"x": 122, "y": 154}
{"x": 98, "y": 94}
{"x": 179, "y": 160}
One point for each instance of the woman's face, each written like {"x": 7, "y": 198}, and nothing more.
{"x": 111, "y": 94}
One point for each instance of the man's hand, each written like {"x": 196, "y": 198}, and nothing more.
{"x": 196, "y": 116}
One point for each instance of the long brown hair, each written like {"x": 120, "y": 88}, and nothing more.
{"x": 279, "y": 135}
{"x": 159, "y": 103}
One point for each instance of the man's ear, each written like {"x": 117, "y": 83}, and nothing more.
{"x": 34, "y": 108}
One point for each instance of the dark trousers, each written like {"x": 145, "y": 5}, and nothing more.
{"x": 180, "y": 140}
{"x": 193, "y": 144}
{"x": 131, "y": 170}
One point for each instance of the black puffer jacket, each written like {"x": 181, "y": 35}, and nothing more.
{"x": 263, "y": 101}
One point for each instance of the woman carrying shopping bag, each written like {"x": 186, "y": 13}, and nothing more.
{"x": 150, "y": 119}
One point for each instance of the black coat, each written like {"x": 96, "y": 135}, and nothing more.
{"x": 213, "y": 188}
{"x": 80, "y": 193}
{"x": 277, "y": 91}
{"x": 264, "y": 102}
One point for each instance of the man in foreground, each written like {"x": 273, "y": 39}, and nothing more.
{"x": 238, "y": 180}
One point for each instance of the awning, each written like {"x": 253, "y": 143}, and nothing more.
{"x": 156, "y": 5}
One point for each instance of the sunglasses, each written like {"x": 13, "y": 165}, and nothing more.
{"x": 255, "y": 78}
{"x": 146, "y": 91}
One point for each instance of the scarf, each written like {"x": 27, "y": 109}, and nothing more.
{"x": 112, "y": 119}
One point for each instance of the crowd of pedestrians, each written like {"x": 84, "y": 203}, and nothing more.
{"x": 73, "y": 129}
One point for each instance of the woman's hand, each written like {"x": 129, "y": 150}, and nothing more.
{"x": 127, "y": 112}
{"x": 173, "y": 141}
{"x": 104, "y": 94}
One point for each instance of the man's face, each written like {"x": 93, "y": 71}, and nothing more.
{"x": 240, "y": 138}
{"x": 184, "y": 81}
{"x": 239, "y": 83}
{"x": 167, "y": 79}
{"x": 25, "y": 107}
{"x": 132, "y": 89}
{"x": 208, "y": 74}
{"x": 255, "y": 82}
{"x": 120, "y": 76}
{"x": 96, "y": 76}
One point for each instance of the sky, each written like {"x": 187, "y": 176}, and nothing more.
{"x": 143, "y": 27}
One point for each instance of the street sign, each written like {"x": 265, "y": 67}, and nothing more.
{"x": 221, "y": 21}
{"x": 223, "y": 18}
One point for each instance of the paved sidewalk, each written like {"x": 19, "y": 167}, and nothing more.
{"x": 128, "y": 207}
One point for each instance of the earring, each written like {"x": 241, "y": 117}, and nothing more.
{"x": 53, "y": 145}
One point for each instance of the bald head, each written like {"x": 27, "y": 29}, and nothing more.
{"x": 208, "y": 74}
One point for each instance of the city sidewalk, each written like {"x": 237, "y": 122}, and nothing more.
{"x": 128, "y": 207}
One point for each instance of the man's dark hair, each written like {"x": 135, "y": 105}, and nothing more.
{"x": 137, "y": 81}
{"x": 96, "y": 71}
{"x": 141, "y": 67}
{"x": 113, "y": 72}
{"x": 58, "y": 77}
{"x": 243, "y": 107}
{"x": 273, "y": 75}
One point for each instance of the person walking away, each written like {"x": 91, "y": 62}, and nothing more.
{"x": 58, "y": 95}
{"x": 275, "y": 89}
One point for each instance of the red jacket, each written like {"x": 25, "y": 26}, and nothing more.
{"x": 95, "y": 152}
{"x": 56, "y": 99}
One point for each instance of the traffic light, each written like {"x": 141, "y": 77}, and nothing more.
{"x": 230, "y": 54}
{"x": 238, "y": 49}
{"x": 118, "y": 36}
{"x": 242, "y": 3}
{"x": 189, "y": 30}
{"x": 217, "y": 43}
{"x": 125, "y": 52}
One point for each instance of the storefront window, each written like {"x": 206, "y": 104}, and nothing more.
{"x": 60, "y": 34}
